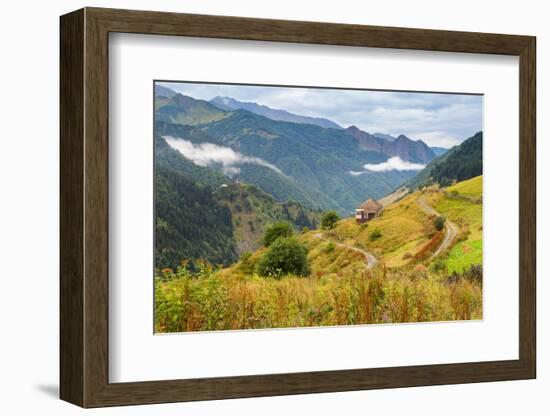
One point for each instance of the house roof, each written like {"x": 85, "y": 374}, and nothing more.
{"x": 370, "y": 205}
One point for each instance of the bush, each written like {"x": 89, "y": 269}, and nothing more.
{"x": 329, "y": 248}
{"x": 439, "y": 266}
{"x": 246, "y": 263}
{"x": 474, "y": 273}
{"x": 375, "y": 234}
{"x": 329, "y": 220}
{"x": 439, "y": 223}
{"x": 284, "y": 256}
{"x": 305, "y": 230}
{"x": 275, "y": 231}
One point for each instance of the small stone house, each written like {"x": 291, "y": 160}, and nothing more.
{"x": 367, "y": 211}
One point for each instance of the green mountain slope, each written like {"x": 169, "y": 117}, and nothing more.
{"x": 253, "y": 210}
{"x": 318, "y": 159}
{"x": 189, "y": 222}
{"x": 181, "y": 109}
{"x": 464, "y": 162}
{"x": 461, "y": 162}
{"x": 167, "y": 157}
{"x": 282, "y": 188}
{"x": 200, "y": 213}
{"x": 161, "y": 91}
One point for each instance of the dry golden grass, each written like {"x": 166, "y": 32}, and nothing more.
{"x": 403, "y": 226}
{"x": 185, "y": 302}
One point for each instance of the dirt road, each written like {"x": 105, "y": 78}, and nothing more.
{"x": 451, "y": 229}
{"x": 370, "y": 260}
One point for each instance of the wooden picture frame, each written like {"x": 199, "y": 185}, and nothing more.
{"x": 84, "y": 207}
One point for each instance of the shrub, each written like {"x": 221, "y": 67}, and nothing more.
{"x": 439, "y": 266}
{"x": 247, "y": 265}
{"x": 275, "y": 231}
{"x": 329, "y": 248}
{"x": 474, "y": 273}
{"x": 329, "y": 220}
{"x": 285, "y": 256}
{"x": 439, "y": 223}
{"x": 305, "y": 230}
{"x": 375, "y": 234}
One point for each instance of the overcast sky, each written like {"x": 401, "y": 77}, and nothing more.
{"x": 438, "y": 119}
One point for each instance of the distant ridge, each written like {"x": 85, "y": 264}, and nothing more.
{"x": 161, "y": 91}
{"x": 181, "y": 109}
{"x": 407, "y": 149}
{"x": 231, "y": 104}
{"x": 387, "y": 137}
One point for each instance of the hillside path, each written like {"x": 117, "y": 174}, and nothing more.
{"x": 451, "y": 229}
{"x": 370, "y": 260}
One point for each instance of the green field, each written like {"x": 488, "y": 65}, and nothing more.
{"x": 470, "y": 188}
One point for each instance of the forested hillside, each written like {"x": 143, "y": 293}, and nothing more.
{"x": 464, "y": 162}
{"x": 461, "y": 162}
{"x": 314, "y": 162}
{"x": 167, "y": 157}
{"x": 252, "y": 210}
{"x": 190, "y": 223}
{"x": 202, "y": 214}
{"x": 180, "y": 109}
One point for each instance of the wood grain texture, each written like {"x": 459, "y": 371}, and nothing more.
{"x": 84, "y": 207}
{"x": 71, "y": 213}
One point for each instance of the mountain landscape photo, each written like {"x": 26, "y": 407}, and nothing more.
{"x": 293, "y": 207}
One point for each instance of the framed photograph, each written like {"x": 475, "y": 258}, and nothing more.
{"x": 260, "y": 207}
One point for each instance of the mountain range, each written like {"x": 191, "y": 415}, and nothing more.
{"x": 290, "y": 161}
{"x": 178, "y": 112}
{"x": 313, "y": 163}
{"x": 407, "y": 149}
{"x": 231, "y": 104}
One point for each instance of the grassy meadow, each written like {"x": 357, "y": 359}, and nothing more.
{"x": 407, "y": 283}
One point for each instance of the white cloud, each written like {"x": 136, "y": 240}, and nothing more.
{"x": 393, "y": 163}
{"x": 208, "y": 154}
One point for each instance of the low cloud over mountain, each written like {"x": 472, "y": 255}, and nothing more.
{"x": 209, "y": 154}
{"x": 393, "y": 163}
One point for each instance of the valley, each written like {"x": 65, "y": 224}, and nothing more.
{"x": 260, "y": 221}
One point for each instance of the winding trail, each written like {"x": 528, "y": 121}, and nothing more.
{"x": 451, "y": 229}
{"x": 370, "y": 260}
